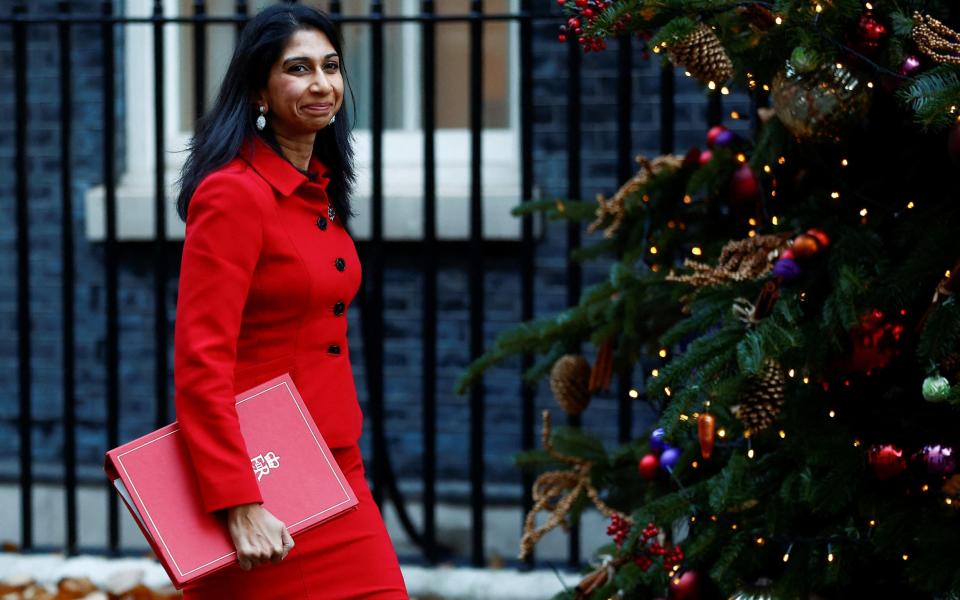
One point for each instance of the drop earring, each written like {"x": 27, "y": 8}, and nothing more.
{"x": 332, "y": 119}
{"x": 261, "y": 120}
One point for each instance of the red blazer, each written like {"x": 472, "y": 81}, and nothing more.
{"x": 266, "y": 277}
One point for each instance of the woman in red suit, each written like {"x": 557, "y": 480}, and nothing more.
{"x": 267, "y": 273}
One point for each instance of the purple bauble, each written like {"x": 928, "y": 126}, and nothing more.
{"x": 724, "y": 138}
{"x": 657, "y": 443}
{"x": 786, "y": 269}
{"x": 910, "y": 66}
{"x": 939, "y": 459}
{"x": 669, "y": 458}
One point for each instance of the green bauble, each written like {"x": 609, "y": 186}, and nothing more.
{"x": 936, "y": 388}
{"x": 820, "y": 104}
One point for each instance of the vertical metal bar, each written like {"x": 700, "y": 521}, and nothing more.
{"x": 429, "y": 263}
{"x": 23, "y": 278}
{"x": 241, "y": 10}
{"x": 110, "y": 262}
{"x": 714, "y": 108}
{"x": 528, "y": 392}
{"x": 476, "y": 282}
{"x": 161, "y": 391}
{"x": 67, "y": 289}
{"x": 667, "y": 109}
{"x": 377, "y": 412}
{"x": 199, "y": 57}
{"x": 574, "y": 191}
{"x": 625, "y": 166}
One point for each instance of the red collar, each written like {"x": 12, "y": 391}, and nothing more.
{"x": 276, "y": 170}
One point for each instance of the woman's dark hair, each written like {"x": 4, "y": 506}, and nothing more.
{"x": 221, "y": 132}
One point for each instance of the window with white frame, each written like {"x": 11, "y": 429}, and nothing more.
{"x": 402, "y": 136}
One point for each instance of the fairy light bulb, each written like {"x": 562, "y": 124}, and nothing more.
{"x": 696, "y": 251}
{"x": 633, "y": 394}
{"x": 830, "y": 555}
{"x": 655, "y": 373}
{"x": 663, "y": 353}
{"x": 778, "y": 20}
{"x": 786, "y": 555}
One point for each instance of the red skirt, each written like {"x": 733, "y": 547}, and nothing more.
{"x": 349, "y": 557}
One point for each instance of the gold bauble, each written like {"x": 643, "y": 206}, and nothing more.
{"x": 821, "y": 104}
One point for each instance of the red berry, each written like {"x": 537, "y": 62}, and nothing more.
{"x": 588, "y": 13}
{"x": 573, "y": 23}
{"x": 581, "y": 3}
{"x": 562, "y": 38}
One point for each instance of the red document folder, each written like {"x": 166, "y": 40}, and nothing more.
{"x": 300, "y": 481}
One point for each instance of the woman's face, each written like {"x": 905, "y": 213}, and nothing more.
{"x": 305, "y": 87}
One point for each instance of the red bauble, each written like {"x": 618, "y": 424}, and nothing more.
{"x": 787, "y": 254}
{"x": 953, "y": 143}
{"x": 744, "y": 186}
{"x": 686, "y": 586}
{"x": 887, "y": 461}
{"x": 870, "y": 33}
{"x": 876, "y": 341}
{"x": 705, "y": 157}
{"x": 805, "y": 246}
{"x": 715, "y": 132}
{"x": 821, "y": 236}
{"x": 649, "y": 466}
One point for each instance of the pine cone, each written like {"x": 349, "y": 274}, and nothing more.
{"x": 764, "y": 398}
{"x": 702, "y": 54}
{"x": 569, "y": 379}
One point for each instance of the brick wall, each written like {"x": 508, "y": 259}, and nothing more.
{"x": 403, "y": 280}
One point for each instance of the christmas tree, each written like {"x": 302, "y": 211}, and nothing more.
{"x": 798, "y": 286}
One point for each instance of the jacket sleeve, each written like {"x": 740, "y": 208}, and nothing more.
{"x": 224, "y": 235}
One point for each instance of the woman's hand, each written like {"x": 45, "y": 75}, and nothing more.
{"x": 258, "y": 535}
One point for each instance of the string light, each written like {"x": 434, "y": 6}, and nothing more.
{"x": 733, "y": 526}
{"x": 655, "y": 373}
{"x": 873, "y": 522}
{"x": 830, "y": 555}
{"x": 752, "y": 222}
{"x": 725, "y": 91}
{"x": 696, "y": 251}
{"x": 856, "y": 443}
{"x": 792, "y": 373}
{"x": 783, "y": 434}
{"x": 693, "y": 519}
{"x": 695, "y": 464}
{"x": 760, "y": 541}
{"x": 868, "y": 6}
{"x": 806, "y": 380}
{"x": 687, "y": 199}
{"x": 786, "y": 555}
{"x": 663, "y": 353}
{"x": 722, "y": 432}
{"x": 905, "y": 556}
{"x": 633, "y": 394}
{"x": 750, "y": 453}
{"x": 775, "y": 220}
{"x": 667, "y": 391}
{"x": 863, "y": 212}
{"x": 734, "y": 115}
{"x": 949, "y": 501}
{"x": 818, "y": 8}
{"x": 844, "y": 163}
{"x": 870, "y": 84}
{"x": 684, "y": 418}
{"x": 910, "y": 204}
{"x": 839, "y": 65}
{"x": 653, "y": 249}
{"x": 782, "y": 160}
{"x": 766, "y": 88}
{"x": 712, "y": 85}
{"x": 835, "y": 195}
{"x": 767, "y": 169}
{"x": 741, "y": 157}
{"x": 778, "y": 20}
{"x": 832, "y": 414}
